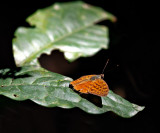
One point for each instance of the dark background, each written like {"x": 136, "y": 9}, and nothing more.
{"x": 134, "y": 41}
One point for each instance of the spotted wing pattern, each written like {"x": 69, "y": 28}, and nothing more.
{"x": 82, "y": 84}
{"x": 85, "y": 85}
{"x": 99, "y": 87}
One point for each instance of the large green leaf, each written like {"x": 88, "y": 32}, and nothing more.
{"x": 69, "y": 27}
{"x": 51, "y": 89}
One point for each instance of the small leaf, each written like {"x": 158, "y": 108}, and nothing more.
{"x": 51, "y": 89}
{"x": 69, "y": 27}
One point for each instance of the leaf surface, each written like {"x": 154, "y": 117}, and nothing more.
{"x": 69, "y": 27}
{"x": 52, "y": 90}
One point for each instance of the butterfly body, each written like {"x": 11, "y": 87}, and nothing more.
{"x": 91, "y": 84}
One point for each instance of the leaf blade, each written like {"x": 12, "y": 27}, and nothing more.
{"x": 57, "y": 25}
{"x": 52, "y": 90}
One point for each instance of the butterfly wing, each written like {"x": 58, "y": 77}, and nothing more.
{"x": 99, "y": 87}
{"x": 81, "y": 80}
{"x": 82, "y": 84}
{"x": 83, "y": 87}
{"x": 96, "y": 86}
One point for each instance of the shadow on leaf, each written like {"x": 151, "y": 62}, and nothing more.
{"x": 96, "y": 100}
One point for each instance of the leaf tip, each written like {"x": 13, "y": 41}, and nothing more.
{"x": 138, "y": 108}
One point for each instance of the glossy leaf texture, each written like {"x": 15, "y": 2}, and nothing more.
{"x": 52, "y": 90}
{"x": 69, "y": 27}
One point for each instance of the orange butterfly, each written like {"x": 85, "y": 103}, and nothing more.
{"x": 92, "y": 84}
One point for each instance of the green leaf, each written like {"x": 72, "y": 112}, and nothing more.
{"x": 51, "y": 89}
{"x": 69, "y": 27}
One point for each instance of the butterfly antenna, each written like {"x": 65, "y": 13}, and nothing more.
{"x": 105, "y": 66}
